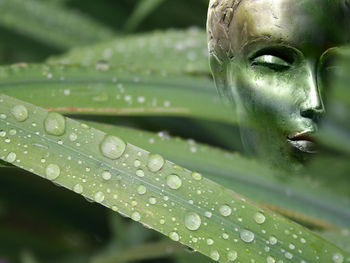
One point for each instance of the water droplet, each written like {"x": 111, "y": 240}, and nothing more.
{"x": 288, "y": 255}
{"x": 232, "y": 255}
{"x": 225, "y": 210}
{"x": 73, "y": 137}
{"x": 197, "y": 176}
{"x": 20, "y": 112}
{"x": 259, "y": 218}
{"x": 99, "y": 197}
{"x": 12, "y": 132}
{"x": 141, "y": 189}
{"x": 210, "y": 241}
{"x": 55, "y": 124}
{"x": 338, "y": 258}
{"x": 273, "y": 240}
{"x": 52, "y": 171}
{"x": 106, "y": 175}
{"x": 11, "y": 157}
{"x": 102, "y": 65}
{"x": 174, "y": 236}
{"x": 137, "y": 163}
{"x": 140, "y": 173}
{"x": 78, "y": 188}
{"x": 3, "y": 116}
{"x": 112, "y": 147}
{"x": 155, "y": 162}
{"x": 270, "y": 259}
{"x": 208, "y": 214}
{"x": 192, "y": 221}
{"x": 225, "y": 236}
{"x": 214, "y": 255}
{"x": 152, "y": 201}
{"x": 2, "y": 133}
{"x": 136, "y": 216}
{"x": 247, "y": 236}
{"x": 173, "y": 181}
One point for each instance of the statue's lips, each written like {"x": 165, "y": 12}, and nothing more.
{"x": 303, "y": 141}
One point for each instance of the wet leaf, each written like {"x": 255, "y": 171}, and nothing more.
{"x": 166, "y": 197}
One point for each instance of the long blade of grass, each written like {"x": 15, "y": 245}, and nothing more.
{"x": 142, "y": 252}
{"x": 297, "y": 198}
{"x": 143, "y": 9}
{"x": 99, "y": 90}
{"x": 169, "y": 51}
{"x": 51, "y": 23}
{"x": 174, "y": 201}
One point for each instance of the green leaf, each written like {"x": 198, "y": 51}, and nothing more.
{"x": 174, "y": 201}
{"x": 168, "y": 51}
{"x": 298, "y": 198}
{"x": 100, "y": 90}
{"x": 143, "y": 9}
{"x": 51, "y": 23}
{"x": 142, "y": 252}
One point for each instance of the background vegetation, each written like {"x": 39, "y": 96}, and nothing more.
{"x": 40, "y": 222}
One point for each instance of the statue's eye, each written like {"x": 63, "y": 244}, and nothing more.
{"x": 271, "y": 62}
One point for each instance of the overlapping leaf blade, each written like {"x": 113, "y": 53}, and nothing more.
{"x": 98, "y": 90}
{"x": 167, "y": 51}
{"x": 51, "y": 23}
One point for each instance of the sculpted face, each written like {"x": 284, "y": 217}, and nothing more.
{"x": 267, "y": 55}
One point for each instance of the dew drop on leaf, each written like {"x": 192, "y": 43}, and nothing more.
{"x": 141, "y": 189}
{"x": 214, "y": 255}
{"x": 232, "y": 255}
{"x": 11, "y": 157}
{"x": 259, "y": 218}
{"x": 270, "y": 259}
{"x": 196, "y": 176}
{"x": 99, "y": 197}
{"x": 273, "y": 240}
{"x": 174, "y": 236}
{"x": 247, "y": 236}
{"x": 73, "y": 137}
{"x": 155, "y": 162}
{"x": 192, "y": 221}
{"x": 136, "y": 216}
{"x": 338, "y": 258}
{"x": 152, "y": 201}
{"x": 288, "y": 255}
{"x": 55, "y": 124}
{"x": 20, "y": 113}
{"x": 225, "y": 210}
{"x": 112, "y": 147}
{"x": 140, "y": 173}
{"x": 52, "y": 171}
{"x": 137, "y": 163}
{"x": 102, "y": 65}
{"x": 78, "y": 188}
{"x": 106, "y": 175}
{"x": 210, "y": 242}
{"x": 173, "y": 181}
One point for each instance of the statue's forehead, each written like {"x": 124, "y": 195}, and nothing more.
{"x": 298, "y": 23}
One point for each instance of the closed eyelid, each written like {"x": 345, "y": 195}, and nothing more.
{"x": 270, "y": 59}
{"x": 288, "y": 54}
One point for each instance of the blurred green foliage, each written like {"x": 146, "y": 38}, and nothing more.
{"x": 18, "y": 46}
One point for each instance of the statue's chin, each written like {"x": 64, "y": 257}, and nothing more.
{"x": 282, "y": 153}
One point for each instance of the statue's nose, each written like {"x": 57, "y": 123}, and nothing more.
{"x": 312, "y": 107}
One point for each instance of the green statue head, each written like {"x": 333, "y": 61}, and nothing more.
{"x": 266, "y": 56}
